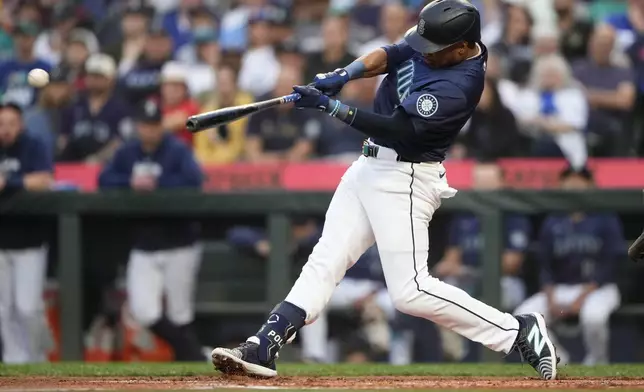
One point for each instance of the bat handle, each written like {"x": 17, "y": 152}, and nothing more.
{"x": 291, "y": 98}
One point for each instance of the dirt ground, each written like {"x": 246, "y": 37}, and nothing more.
{"x": 378, "y": 382}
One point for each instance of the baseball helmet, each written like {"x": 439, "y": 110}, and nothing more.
{"x": 443, "y": 23}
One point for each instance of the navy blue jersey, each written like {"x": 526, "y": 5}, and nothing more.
{"x": 142, "y": 82}
{"x": 439, "y": 101}
{"x": 465, "y": 234}
{"x": 13, "y": 82}
{"x": 581, "y": 251}
{"x": 174, "y": 166}
{"x": 88, "y": 133}
{"x": 28, "y": 154}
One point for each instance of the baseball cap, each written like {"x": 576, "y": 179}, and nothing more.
{"x": 149, "y": 112}
{"x": 173, "y": 71}
{"x": 204, "y": 35}
{"x": 101, "y": 64}
{"x": 27, "y": 28}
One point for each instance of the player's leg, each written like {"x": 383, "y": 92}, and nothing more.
{"x": 400, "y": 222}
{"x": 345, "y": 237}
{"x": 13, "y": 349}
{"x": 144, "y": 286}
{"x": 594, "y": 319}
{"x": 30, "y": 270}
{"x": 181, "y": 267}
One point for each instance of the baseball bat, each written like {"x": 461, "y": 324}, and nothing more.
{"x": 202, "y": 121}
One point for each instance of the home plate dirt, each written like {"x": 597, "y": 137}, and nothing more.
{"x": 376, "y": 382}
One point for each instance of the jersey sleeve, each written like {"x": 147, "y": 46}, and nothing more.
{"x": 397, "y": 54}
{"x": 432, "y": 107}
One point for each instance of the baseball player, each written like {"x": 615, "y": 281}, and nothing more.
{"x": 578, "y": 259}
{"x": 434, "y": 81}
{"x": 25, "y": 164}
{"x": 166, "y": 256}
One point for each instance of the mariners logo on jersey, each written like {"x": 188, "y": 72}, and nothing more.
{"x": 405, "y": 77}
{"x": 427, "y": 105}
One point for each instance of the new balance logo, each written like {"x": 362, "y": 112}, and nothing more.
{"x": 536, "y": 339}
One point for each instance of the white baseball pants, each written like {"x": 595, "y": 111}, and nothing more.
{"x": 169, "y": 275}
{"x": 392, "y": 204}
{"x": 23, "y": 325}
{"x": 594, "y": 315}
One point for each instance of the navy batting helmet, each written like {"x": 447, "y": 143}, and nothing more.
{"x": 443, "y": 23}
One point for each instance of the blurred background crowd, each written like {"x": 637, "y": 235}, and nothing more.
{"x": 565, "y": 77}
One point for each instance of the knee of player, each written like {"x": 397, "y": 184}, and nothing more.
{"x": 145, "y": 314}
{"x": 403, "y": 301}
{"x": 593, "y": 317}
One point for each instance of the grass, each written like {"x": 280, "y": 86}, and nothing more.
{"x": 73, "y": 369}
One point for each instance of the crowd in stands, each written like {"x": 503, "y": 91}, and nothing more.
{"x": 565, "y": 77}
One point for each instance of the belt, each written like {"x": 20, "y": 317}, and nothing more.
{"x": 380, "y": 152}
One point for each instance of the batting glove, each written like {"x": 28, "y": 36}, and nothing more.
{"x": 312, "y": 98}
{"x": 331, "y": 83}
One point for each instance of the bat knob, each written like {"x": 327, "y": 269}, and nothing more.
{"x": 192, "y": 124}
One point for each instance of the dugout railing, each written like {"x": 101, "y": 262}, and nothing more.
{"x": 69, "y": 209}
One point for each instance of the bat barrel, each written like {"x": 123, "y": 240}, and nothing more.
{"x": 192, "y": 124}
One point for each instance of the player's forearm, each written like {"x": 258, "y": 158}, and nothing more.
{"x": 395, "y": 127}
{"x": 369, "y": 65}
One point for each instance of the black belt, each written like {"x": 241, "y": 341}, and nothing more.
{"x": 371, "y": 150}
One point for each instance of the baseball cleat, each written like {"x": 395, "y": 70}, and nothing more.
{"x": 243, "y": 360}
{"x": 535, "y": 346}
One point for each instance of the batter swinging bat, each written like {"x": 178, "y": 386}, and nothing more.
{"x": 200, "y": 122}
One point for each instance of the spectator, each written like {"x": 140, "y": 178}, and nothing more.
{"x": 554, "y": 111}
{"x": 226, "y": 143}
{"x": 335, "y": 54}
{"x": 461, "y": 262}
{"x": 394, "y": 21}
{"x": 143, "y": 81}
{"x": 175, "y": 100}
{"x": 13, "y": 73}
{"x": 492, "y": 132}
{"x": 164, "y": 261}
{"x": 361, "y": 291}
{"x": 575, "y": 30}
{"x": 50, "y": 45}
{"x": 260, "y": 68}
{"x": 234, "y": 25}
{"x": 338, "y": 141}
{"x": 514, "y": 48}
{"x": 45, "y": 119}
{"x": 290, "y": 55}
{"x": 134, "y": 25}
{"x": 77, "y": 52}
{"x": 628, "y": 25}
{"x": 201, "y": 58}
{"x": 578, "y": 256}
{"x": 98, "y": 120}
{"x": 635, "y": 23}
{"x": 25, "y": 164}
{"x": 610, "y": 90}
{"x": 545, "y": 41}
{"x": 178, "y": 22}
{"x": 281, "y": 133}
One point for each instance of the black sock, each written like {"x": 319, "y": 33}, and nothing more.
{"x": 181, "y": 338}
{"x": 284, "y": 321}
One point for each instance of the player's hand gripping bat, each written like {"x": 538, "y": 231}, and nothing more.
{"x": 202, "y": 121}
{"x": 636, "y": 251}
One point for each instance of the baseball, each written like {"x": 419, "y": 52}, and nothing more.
{"x": 38, "y": 78}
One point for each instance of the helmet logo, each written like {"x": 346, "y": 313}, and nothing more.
{"x": 427, "y": 105}
{"x": 421, "y": 27}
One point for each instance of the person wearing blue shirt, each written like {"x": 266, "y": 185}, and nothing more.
{"x": 166, "y": 256}
{"x": 578, "y": 256}
{"x": 13, "y": 73}
{"x": 25, "y": 165}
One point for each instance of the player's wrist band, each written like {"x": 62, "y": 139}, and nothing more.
{"x": 355, "y": 70}
{"x": 341, "y": 111}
